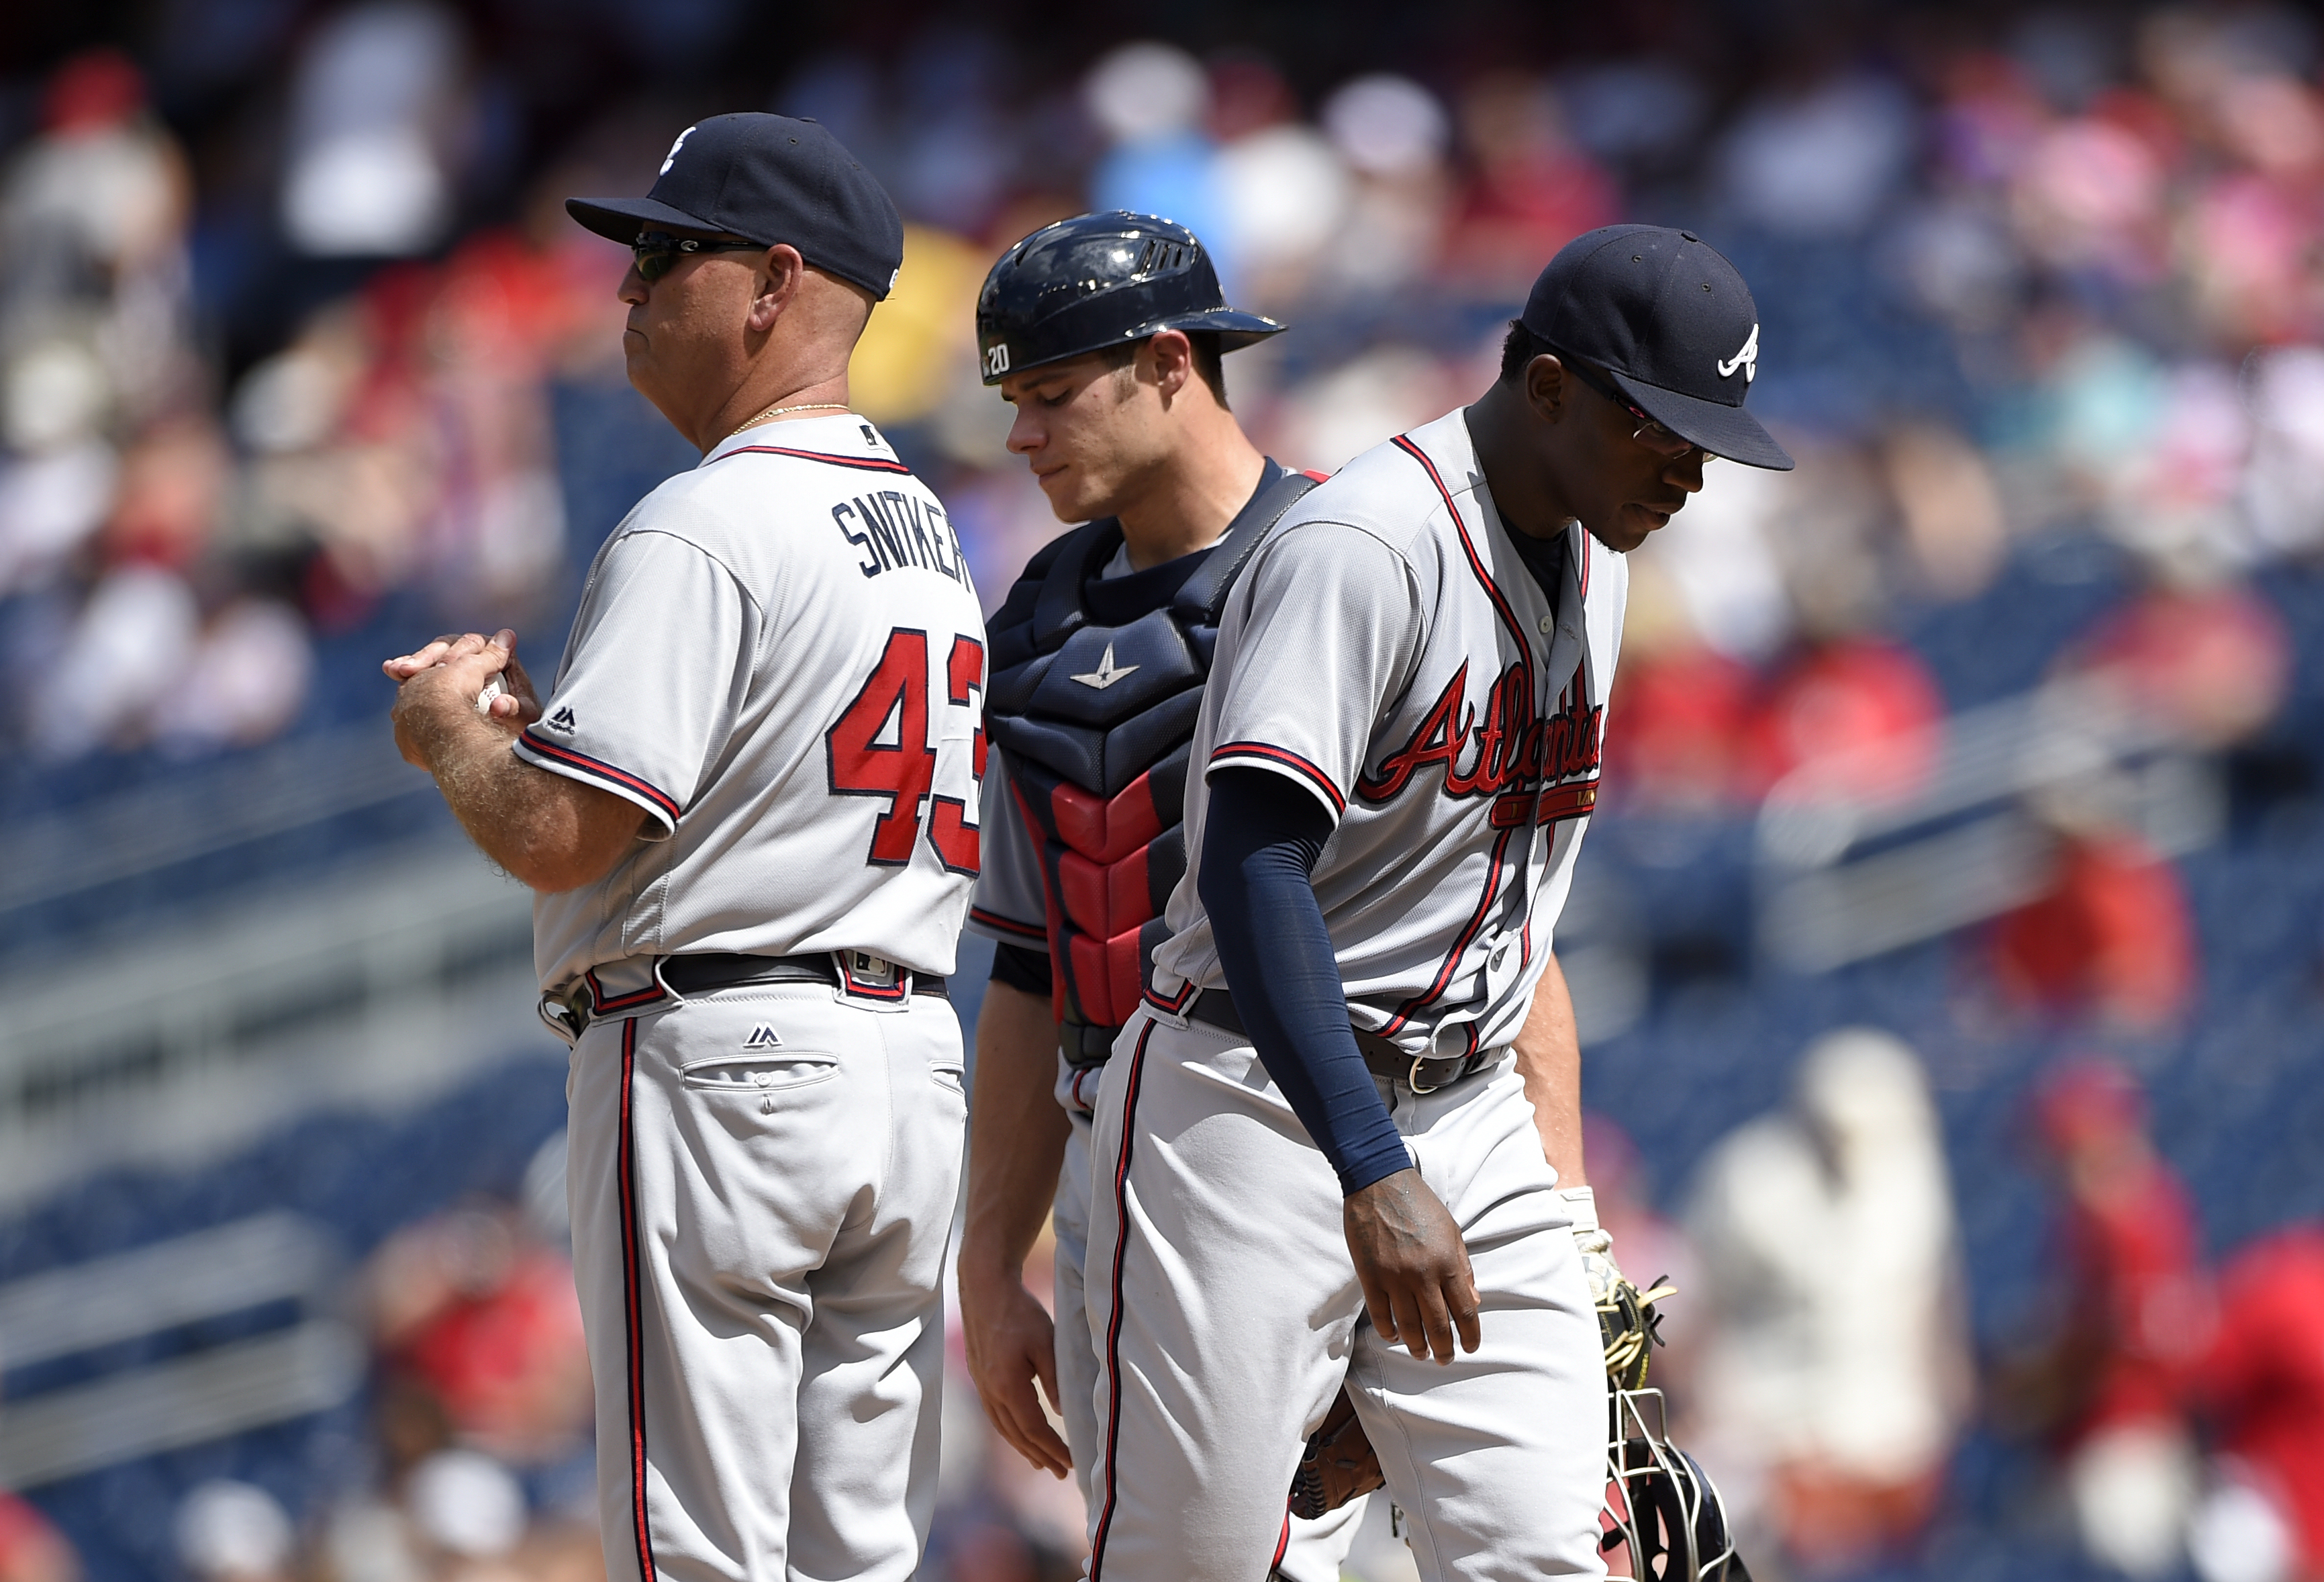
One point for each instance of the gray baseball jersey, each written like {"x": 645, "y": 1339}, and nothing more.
{"x": 779, "y": 657}
{"x": 1388, "y": 650}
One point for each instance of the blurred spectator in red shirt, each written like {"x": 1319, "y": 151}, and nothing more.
{"x": 2210, "y": 661}
{"x": 31, "y": 1549}
{"x": 2111, "y": 936}
{"x": 2104, "y": 1383}
{"x": 1684, "y": 714}
{"x": 1862, "y": 709}
{"x": 2263, "y": 1387}
{"x": 1531, "y": 192}
{"x": 484, "y": 1320}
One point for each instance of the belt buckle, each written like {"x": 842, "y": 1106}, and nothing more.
{"x": 873, "y": 977}
{"x": 1412, "y": 1078}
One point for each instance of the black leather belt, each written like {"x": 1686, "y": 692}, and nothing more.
{"x": 702, "y": 973}
{"x": 706, "y": 972}
{"x": 1418, "y": 1073}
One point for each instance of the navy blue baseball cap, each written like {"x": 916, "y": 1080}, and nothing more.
{"x": 766, "y": 178}
{"x": 1671, "y": 322}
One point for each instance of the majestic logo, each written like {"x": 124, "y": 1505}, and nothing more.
{"x": 670, "y": 158}
{"x": 1518, "y": 755}
{"x": 763, "y": 1037}
{"x": 1748, "y": 359}
{"x": 1106, "y": 674}
{"x": 563, "y": 721}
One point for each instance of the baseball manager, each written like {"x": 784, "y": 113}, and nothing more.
{"x": 748, "y": 805}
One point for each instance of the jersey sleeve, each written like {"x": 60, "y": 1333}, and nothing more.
{"x": 1330, "y": 620}
{"x": 1011, "y": 905}
{"x": 661, "y": 656}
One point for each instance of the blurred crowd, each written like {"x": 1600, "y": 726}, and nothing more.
{"x": 2174, "y": 1409}
{"x": 2045, "y": 277}
{"x": 2056, "y": 272}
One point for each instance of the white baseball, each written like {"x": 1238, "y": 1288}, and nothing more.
{"x": 492, "y": 689}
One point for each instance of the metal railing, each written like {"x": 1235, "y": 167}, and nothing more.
{"x": 1866, "y": 852}
{"x": 313, "y": 1365}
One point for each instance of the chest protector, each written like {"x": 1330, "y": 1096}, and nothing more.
{"x": 1096, "y": 720}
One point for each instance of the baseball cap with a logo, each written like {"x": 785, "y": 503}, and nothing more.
{"x": 1671, "y": 322}
{"x": 766, "y": 178}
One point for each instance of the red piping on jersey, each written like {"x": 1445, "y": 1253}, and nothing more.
{"x": 627, "y": 1179}
{"x": 860, "y": 463}
{"x": 1175, "y": 1003}
{"x": 1282, "y": 1543}
{"x": 601, "y": 1003}
{"x": 1492, "y": 591}
{"x": 1444, "y": 979}
{"x": 1113, "y": 1286}
{"x": 602, "y": 771}
{"x": 994, "y": 921}
{"x": 1287, "y": 759}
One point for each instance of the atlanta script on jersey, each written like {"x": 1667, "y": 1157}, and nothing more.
{"x": 1389, "y": 651}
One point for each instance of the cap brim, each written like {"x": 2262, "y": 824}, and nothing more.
{"x": 1724, "y": 431}
{"x": 620, "y": 219}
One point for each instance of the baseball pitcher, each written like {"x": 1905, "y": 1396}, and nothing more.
{"x": 1339, "y": 1137}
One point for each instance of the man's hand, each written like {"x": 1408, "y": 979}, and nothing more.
{"x": 518, "y": 703}
{"x": 1413, "y": 1266}
{"x": 1011, "y": 1342}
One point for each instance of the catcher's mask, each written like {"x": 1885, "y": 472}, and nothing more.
{"x": 1660, "y": 1504}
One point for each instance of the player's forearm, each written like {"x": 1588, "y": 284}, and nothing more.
{"x": 1016, "y": 1134}
{"x": 1549, "y": 1058}
{"x": 542, "y": 828}
{"x": 1257, "y": 858}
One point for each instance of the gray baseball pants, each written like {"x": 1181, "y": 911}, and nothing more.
{"x": 1316, "y": 1549}
{"x": 762, "y": 1181}
{"x": 1225, "y": 1312}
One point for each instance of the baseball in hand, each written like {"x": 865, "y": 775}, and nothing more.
{"x": 492, "y": 689}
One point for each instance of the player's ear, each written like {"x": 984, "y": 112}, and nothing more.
{"x": 776, "y": 278}
{"x": 1173, "y": 357}
{"x": 1545, "y": 387}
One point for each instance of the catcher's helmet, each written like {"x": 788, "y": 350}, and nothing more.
{"x": 1097, "y": 281}
{"x": 1660, "y": 1504}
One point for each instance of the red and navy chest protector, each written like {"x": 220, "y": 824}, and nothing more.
{"x": 1095, "y": 683}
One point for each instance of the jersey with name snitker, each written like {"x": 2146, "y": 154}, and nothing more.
{"x": 779, "y": 657}
{"x": 1388, "y": 650}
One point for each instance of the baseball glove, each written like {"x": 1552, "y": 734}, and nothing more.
{"x": 1338, "y": 1465}
{"x": 1629, "y": 1326}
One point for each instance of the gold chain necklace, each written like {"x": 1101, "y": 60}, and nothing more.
{"x": 776, "y": 412}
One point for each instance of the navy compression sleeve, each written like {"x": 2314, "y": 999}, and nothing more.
{"x": 1260, "y": 841}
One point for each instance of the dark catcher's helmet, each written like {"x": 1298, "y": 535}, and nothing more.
{"x": 1098, "y": 280}
{"x": 1660, "y": 1505}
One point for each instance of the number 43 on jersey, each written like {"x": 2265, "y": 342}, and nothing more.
{"x": 881, "y": 747}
